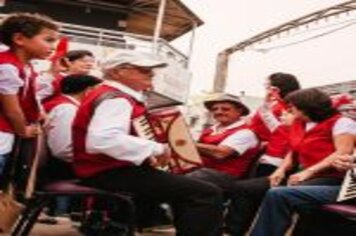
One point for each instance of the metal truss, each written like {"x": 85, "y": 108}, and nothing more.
{"x": 223, "y": 56}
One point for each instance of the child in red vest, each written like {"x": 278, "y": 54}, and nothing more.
{"x": 28, "y": 36}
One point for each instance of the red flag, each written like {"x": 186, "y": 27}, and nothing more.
{"x": 61, "y": 49}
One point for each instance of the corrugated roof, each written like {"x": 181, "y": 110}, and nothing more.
{"x": 178, "y": 19}
{"x": 133, "y": 16}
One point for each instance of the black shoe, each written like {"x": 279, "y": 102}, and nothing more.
{"x": 92, "y": 225}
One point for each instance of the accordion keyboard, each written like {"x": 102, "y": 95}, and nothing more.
{"x": 143, "y": 128}
{"x": 351, "y": 188}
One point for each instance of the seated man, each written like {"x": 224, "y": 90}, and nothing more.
{"x": 61, "y": 110}
{"x": 109, "y": 155}
{"x": 229, "y": 146}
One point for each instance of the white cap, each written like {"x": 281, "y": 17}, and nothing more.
{"x": 132, "y": 58}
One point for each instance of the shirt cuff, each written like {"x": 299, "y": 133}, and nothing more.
{"x": 158, "y": 149}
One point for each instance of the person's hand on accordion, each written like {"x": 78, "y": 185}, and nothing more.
{"x": 163, "y": 159}
{"x": 344, "y": 162}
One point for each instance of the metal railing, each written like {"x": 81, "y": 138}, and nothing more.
{"x": 110, "y": 40}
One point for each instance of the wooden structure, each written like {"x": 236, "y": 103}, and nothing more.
{"x": 133, "y": 16}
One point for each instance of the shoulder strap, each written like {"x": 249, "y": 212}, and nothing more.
{"x": 106, "y": 96}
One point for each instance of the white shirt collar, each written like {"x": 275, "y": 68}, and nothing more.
{"x": 115, "y": 84}
{"x": 309, "y": 125}
{"x": 75, "y": 101}
{"x": 217, "y": 129}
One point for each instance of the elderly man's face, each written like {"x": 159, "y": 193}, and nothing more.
{"x": 225, "y": 113}
{"x": 137, "y": 78}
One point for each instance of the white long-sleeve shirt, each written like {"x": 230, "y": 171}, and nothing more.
{"x": 109, "y": 130}
{"x": 59, "y": 134}
{"x": 240, "y": 141}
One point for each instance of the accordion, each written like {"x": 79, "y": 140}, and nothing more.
{"x": 168, "y": 126}
{"x": 348, "y": 187}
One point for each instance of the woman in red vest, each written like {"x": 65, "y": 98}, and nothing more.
{"x": 319, "y": 136}
{"x": 267, "y": 124}
{"x": 74, "y": 62}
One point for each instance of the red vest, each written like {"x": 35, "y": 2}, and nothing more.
{"x": 314, "y": 145}
{"x": 86, "y": 164}
{"x": 235, "y": 165}
{"x": 278, "y": 144}
{"x": 56, "y": 101}
{"x": 26, "y": 94}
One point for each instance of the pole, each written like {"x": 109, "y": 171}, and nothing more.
{"x": 158, "y": 27}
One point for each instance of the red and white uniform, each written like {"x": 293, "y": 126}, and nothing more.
{"x": 103, "y": 137}
{"x": 61, "y": 111}
{"x": 312, "y": 142}
{"x": 267, "y": 125}
{"x": 16, "y": 79}
{"x": 236, "y": 136}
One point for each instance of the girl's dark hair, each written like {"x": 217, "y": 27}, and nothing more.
{"x": 27, "y": 24}
{"x": 286, "y": 83}
{"x": 313, "y": 103}
{"x": 77, "y": 54}
{"x": 77, "y": 83}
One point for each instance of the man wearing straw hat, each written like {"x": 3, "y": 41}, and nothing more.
{"x": 229, "y": 147}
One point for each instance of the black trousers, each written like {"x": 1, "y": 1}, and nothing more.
{"x": 246, "y": 197}
{"x": 226, "y": 183}
{"x": 197, "y": 205}
{"x": 218, "y": 178}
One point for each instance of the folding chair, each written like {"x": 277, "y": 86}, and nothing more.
{"x": 346, "y": 210}
{"x": 44, "y": 195}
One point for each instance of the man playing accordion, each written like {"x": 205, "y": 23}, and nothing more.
{"x": 109, "y": 155}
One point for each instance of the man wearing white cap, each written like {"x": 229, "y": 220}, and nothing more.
{"x": 109, "y": 155}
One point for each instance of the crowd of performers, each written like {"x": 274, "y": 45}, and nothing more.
{"x": 290, "y": 155}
